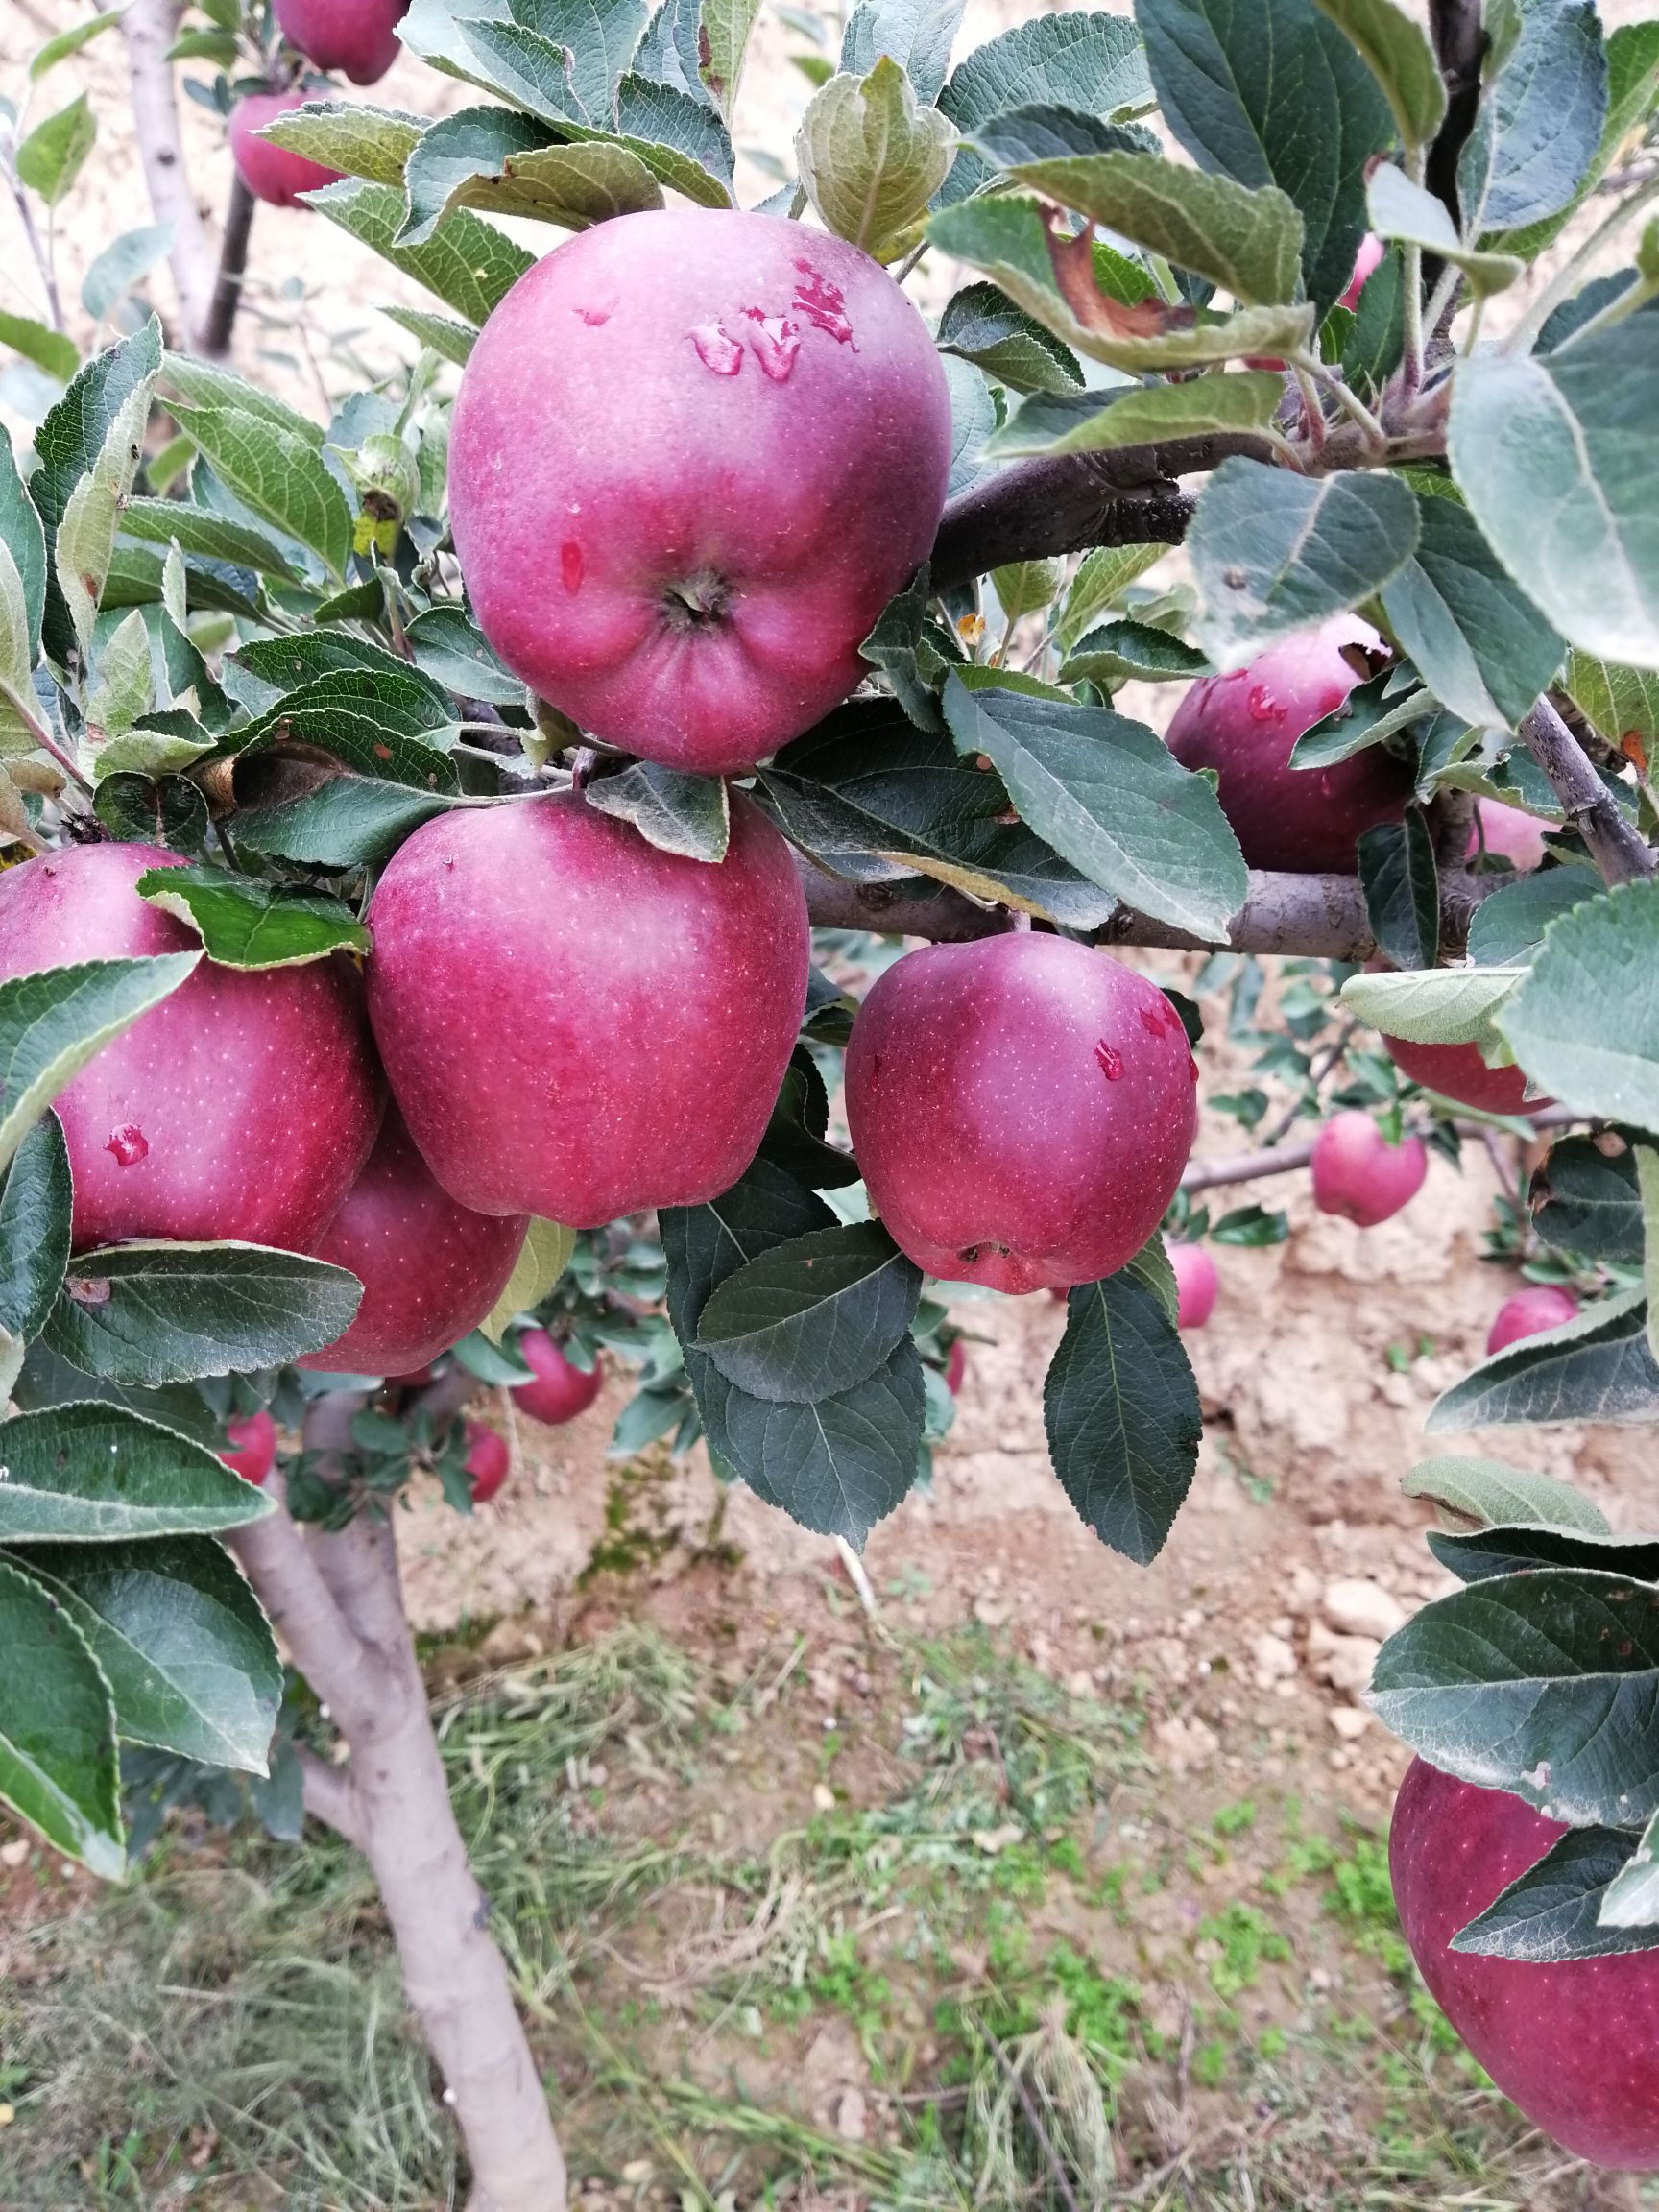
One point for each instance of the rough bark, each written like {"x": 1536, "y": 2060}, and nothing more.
{"x": 1616, "y": 846}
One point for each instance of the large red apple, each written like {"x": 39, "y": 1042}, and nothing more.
{"x": 1509, "y": 832}
{"x": 1359, "y": 1174}
{"x": 1021, "y": 1107}
{"x": 1244, "y": 726}
{"x": 576, "y": 1024}
{"x": 358, "y": 38}
{"x": 430, "y": 1269}
{"x": 694, "y": 455}
{"x": 242, "y": 1106}
{"x": 560, "y": 1390}
{"x": 1196, "y": 1284}
{"x": 1576, "y": 2044}
{"x": 488, "y": 1462}
{"x": 271, "y": 173}
{"x": 1457, "y": 1071}
{"x": 1528, "y": 1313}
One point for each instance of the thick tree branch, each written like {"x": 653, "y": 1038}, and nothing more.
{"x": 1247, "y": 1167}
{"x": 1459, "y": 43}
{"x": 1615, "y": 845}
{"x": 331, "y": 1795}
{"x": 1315, "y": 917}
{"x": 150, "y": 28}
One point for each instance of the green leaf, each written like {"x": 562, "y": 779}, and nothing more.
{"x": 1274, "y": 552}
{"x": 1630, "y": 1900}
{"x": 1632, "y": 82}
{"x": 1508, "y": 927}
{"x": 1090, "y": 61}
{"x": 453, "y": 341}
{"x": 245, "y": 923}
{"x": 500, "y": 161}
{"x": 1596, "y": 1367}
{"x": 1402, "y": 888}
{"x": 680, "y": 140}
{"x": 1540, "y": 123}
{"x": 287, "y": 672}
{"x": 1497, "y": 1495}
{"x": 467, "y": 263}
{"x": 1406, "y": 211}
{"x": 1571, "y": 436}
{"x": 35, "y": 1203}
{"x": 1025, "y": 587}
{"x": 572, "y": 60}
{"x": 1367, "y": 717}
{"x": 813, "y": 1317}
{"x": 1098, "y": 421}
{"x": 348, "y": 822}
{"x": 982, "y": 326}
{"x": 1248, "y": 242}
{"x": 183, "y": 1644}
{"x": 726, "y": 24}
{"x": 1538, "y": 1684}
{"x": 542, "y": 1260}
{"x": 363, "y": 717}
{"x": 70, "y": 41}
{"x": 1478, "y": 1556}
{"x": 1132, "y": 652}
{"x": 1584, "y": 1023}
{"x": 46, "y": 1380}
{"x": 1006, "y": 238}
{"x": 123, "y": 688}
{"x": 1272, "y": 93}
{"x": 283, "y": 477}
{"x": 1401, "y": 60}
{"x": 1376, "y": 338}
{"x": 680, "y": 813}
{"x": 871, "y": 159}
{"x": 55, "y": 151}
{"x": 59, "y": 1766}
{"x": 206, "y": 384}
{"x": 53, "y": 1020}
{"x": 85, "y": 534}
{"x": 1440, "y": 1006}
{"x": 203, "y": 530}
{"x": 455, "y": 653}
{"x": 123, "y": 264}
{"x": 1617, "y": 702}
{"x": 1480, "y": 645}
{"x": 1586, "y": 1200}
{"x": 1108, "y": 795}
{"x": 76, "y": 429}
{"x": 1647, "y": 1183}
{"x": 1102, "y": 578}
{"x": 916, "y": 34}
{"x": 48, "y": 350}
{"x": 150, "y": 1313}
{"x": 373, "y": 143}
{"x": 795, "y": 1137}
{"x": 1121, "y": 1411}
{"x": 95, "y": 1474}
{"x": 1552, "y": 1912}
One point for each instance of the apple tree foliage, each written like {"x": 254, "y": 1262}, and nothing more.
{"x": 233, "y": 630}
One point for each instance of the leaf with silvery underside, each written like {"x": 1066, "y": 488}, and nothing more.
{"x": 1274, "y": 552}
{"x": 1271, "y": 92}
{"x": 685, "y": 814}
{"x": 182, "y": 1642}
{"x": 1541, "y": 1684}
{"x": 1109, "y": 797}
{"x": 281, "y": 478}
{"x": 1586, "y": 1200}
{"x": 597, "y": 36}
{"x": 509, "y": 165}
{"x": 123, "y": 265}
{"x": 1092, "y": 62}
{"x": 1508, "y": 927}
{"x": 1598, "y": 1366}
{"x": 1482, "y": 647}
{"x": 1011, "y": 347}
{"x": 1098, "y": 421}
{"x": 1121, "y": 1412}
{"x": 1245, "y": 242}
{"x": 200, "y": 530}
{"x": 1571, "y": 436}
{"x": 35, "y": 1203}
{"x": 49, "y": 350}
{"x": 873, "y": 798}
{"x": 1372, "y": 712}
{"x": 1101, "y": 580}
{"x": 455, "y": 654}
{"x": 46, "y": 1380}
{"x": 59, "y": 1766}
{"x": 467, "y": 263}
{"x": 813, "y": 1317}
{"x": 1401, "y": 59}
{"x": 348, "y": 822}
{"x": 1127, "y": 652}
{"x": 912, "y": 650}
{"x": 1632, "y": 83}
{"x": 55, "y": 151}
{"x": 1438, "y": 1006}
{"x": 542, "y": 1260}
{"x": 1005, "y": 236}
{"x": 453, "y": 341}
{"x": 972, "y": 418}
{"x": 871, "y": 159}
{"x": 1630, "y": 1901}
{"x": 24, "y": 539}
{"x": 1476, "y": 1556}
{"x": 1411, "y": 215}
{"x": 1540, "y": 121}
{"x": 53, "y": 1020}
{"x": 249, "y": 924}
{"x": 726, "y": 26}
{"x": 1585, "y": 1021}
{"x": 915, "y": 35}
{"x": 1552, "y": 1912}
{"x": 96, "y": 1474}
{"x": 206, "y": 384}
{"x": 1493, "y": 1494}
{"x": 85, "y": 535}
{"x": 347, "y": 135}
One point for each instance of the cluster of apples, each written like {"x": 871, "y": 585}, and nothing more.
{"x": 358, "y": 39}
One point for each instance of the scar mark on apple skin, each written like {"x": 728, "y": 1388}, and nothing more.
{"x": 716, "y": 350}
{"x": 1110, "y": 1062}
{"x": 128, "y": 1144}
{"x": 593, "y": 317}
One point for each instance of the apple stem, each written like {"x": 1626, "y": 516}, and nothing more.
{"x": 856, "y": 1576}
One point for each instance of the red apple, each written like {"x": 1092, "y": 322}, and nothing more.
{"x": 1576, "y": 2045}
{"x": 1021, "y": 1107}
{"x": 1457, "y": 1071}
{"x": 242, "y": 1106}
{"x": 1195, "y": 1283}
{"x": 1368, "y": 259}
{"x": 487, "y": 1461}
{"x": 1359, "y": 1174}
{"x": 1509, "y": 832}
{"x": 560, "y": 1390}
{"x": 357, "y": 36}
{"x": 271, "y": 173}
{"x": 956, "y": 1366}
{"x": 576, "y": 1024}
{"x": 430, "y": 1269}
{"x": 1528, "y": 1313}
{"x": 1244, "y": 726}
{"x": 252, "y": 1445}
{"x": 694, "y": 455}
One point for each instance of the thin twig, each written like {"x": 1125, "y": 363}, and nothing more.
{"x": 1317, "y": 1072}
{"x": 856, "y": 1576}
{"x": 1247, "y": 1167}
{"x": 215, "y": 340}
{"x": 1618, "y": 849}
